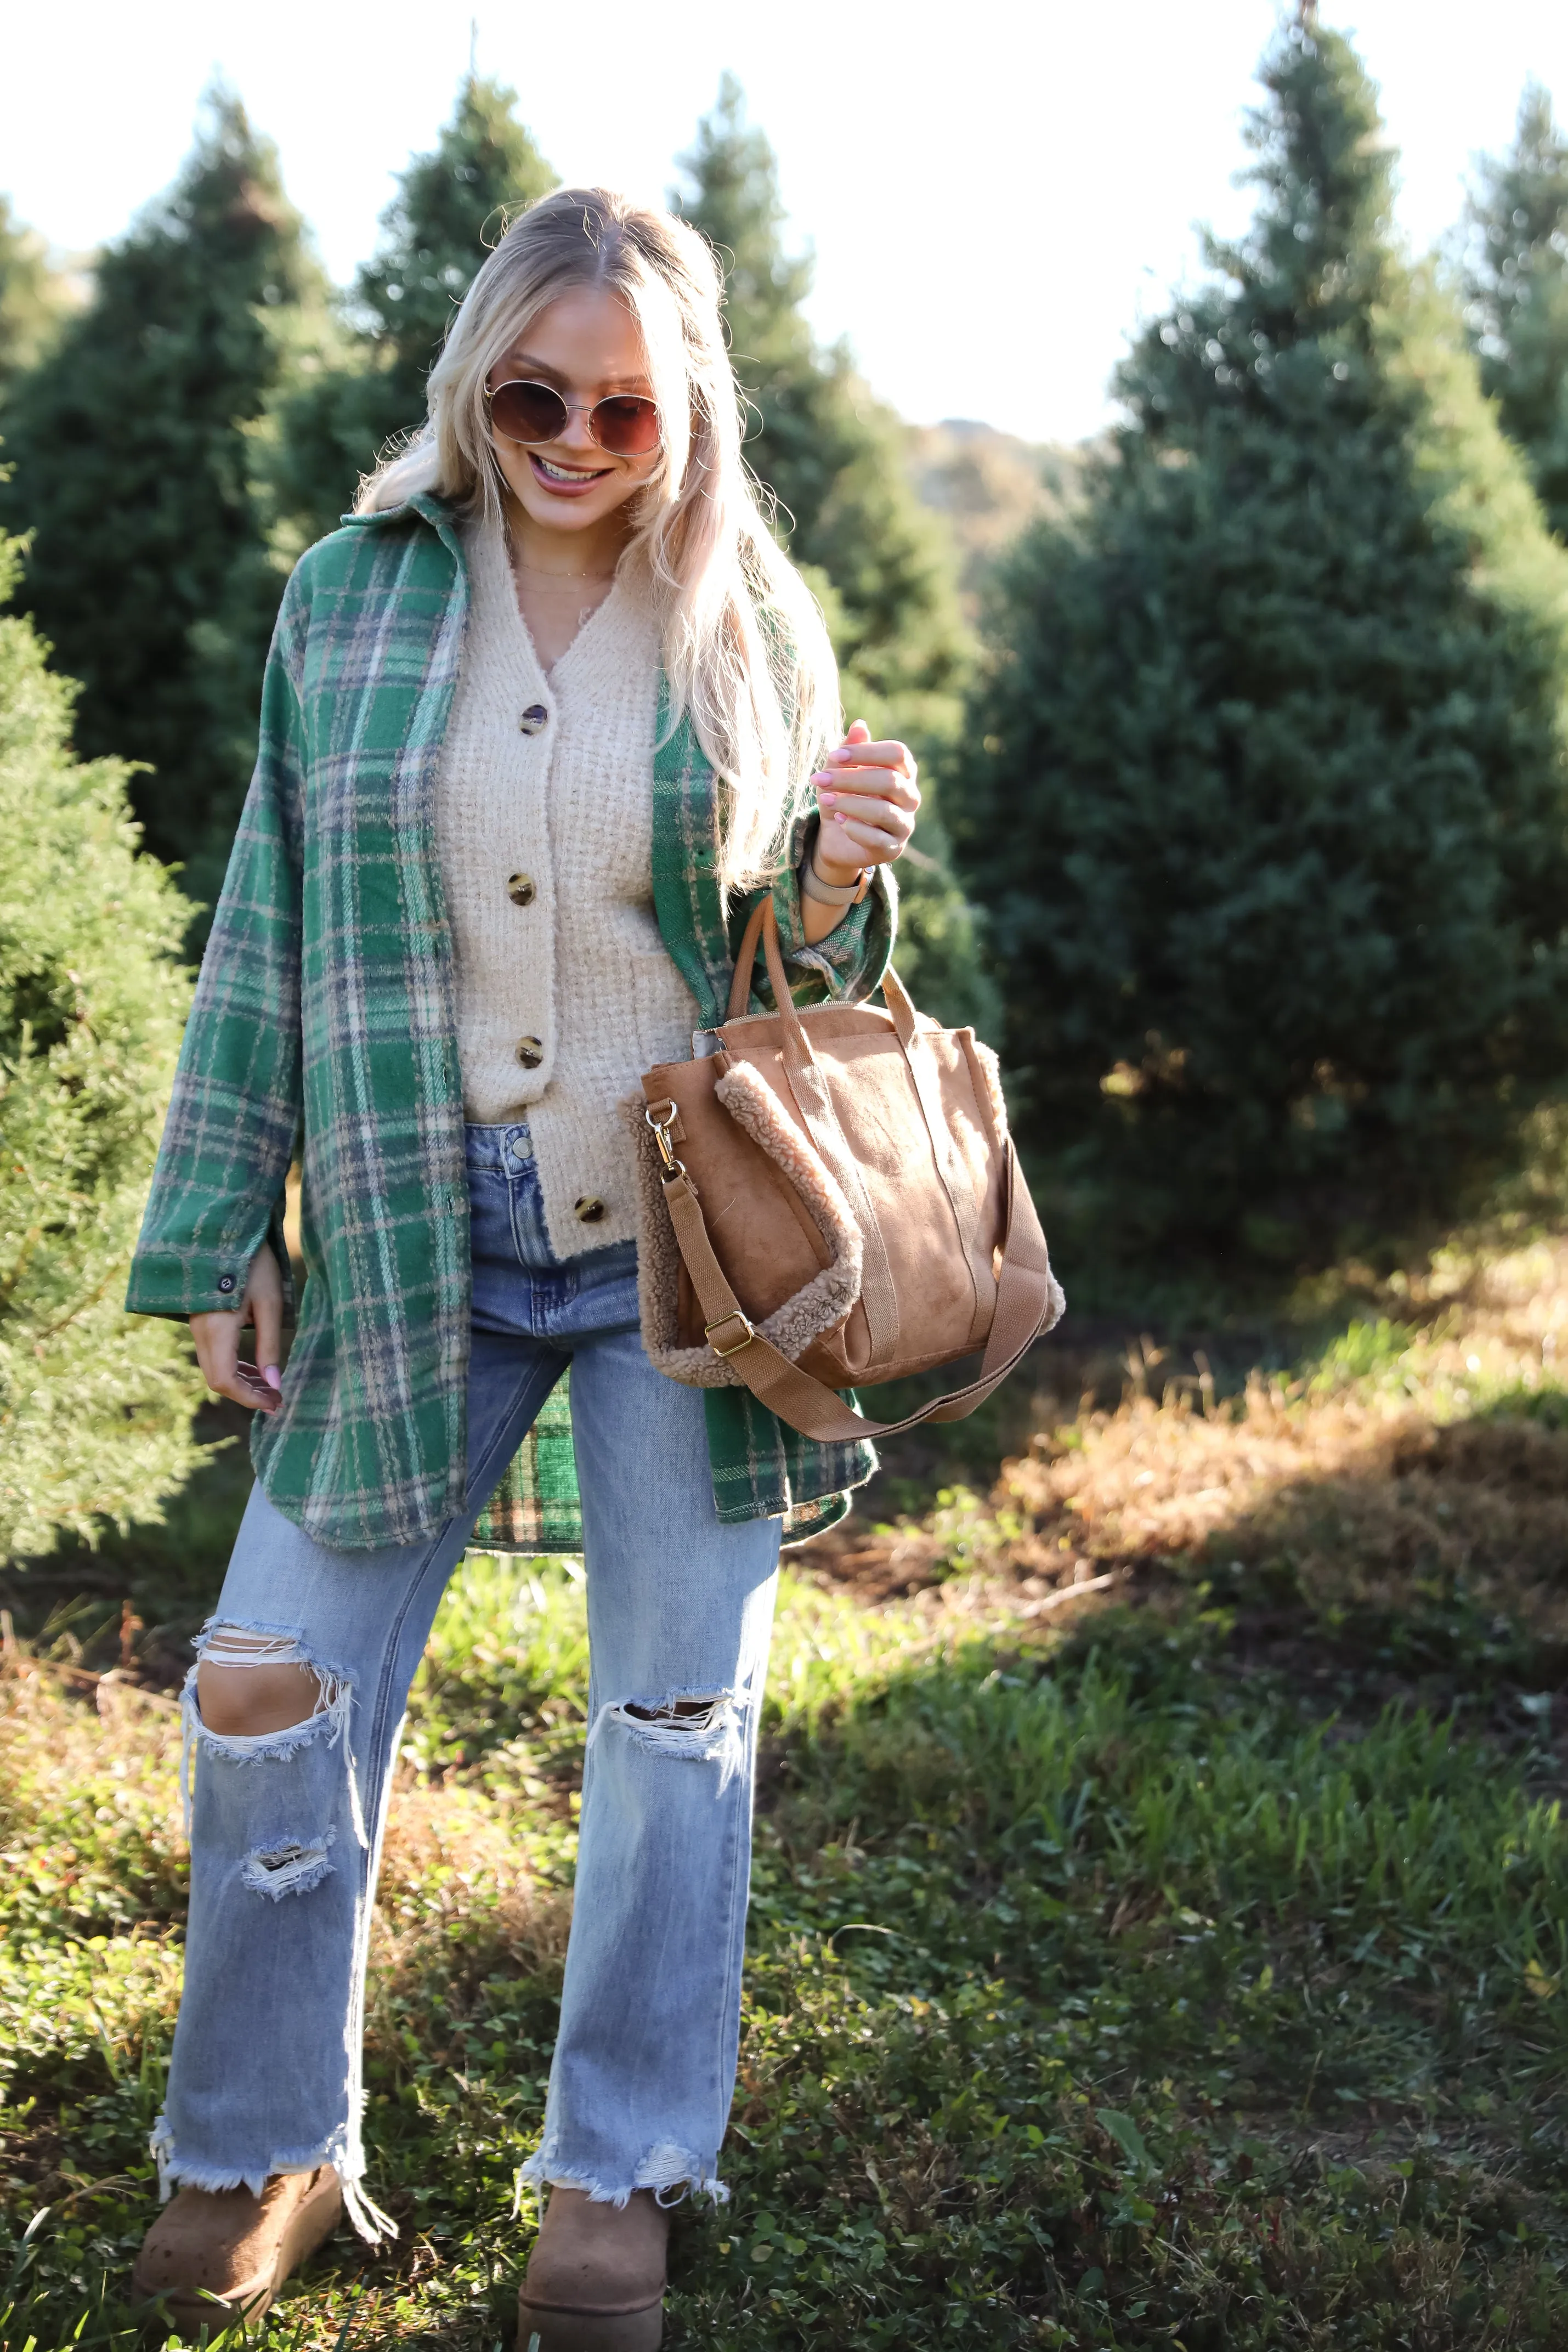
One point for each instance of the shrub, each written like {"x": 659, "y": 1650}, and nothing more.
{"x": 94, "y": 1408}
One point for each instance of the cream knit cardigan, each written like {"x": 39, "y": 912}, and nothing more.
{"x": 579, "y": 975}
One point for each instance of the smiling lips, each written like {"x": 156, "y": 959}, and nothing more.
{"x": 563, "y": 480}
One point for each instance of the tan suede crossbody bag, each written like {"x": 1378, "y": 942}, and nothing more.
{"x": 831, "y": 1199}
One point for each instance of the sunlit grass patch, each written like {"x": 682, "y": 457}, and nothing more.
{"x": 1414, "y": 1456}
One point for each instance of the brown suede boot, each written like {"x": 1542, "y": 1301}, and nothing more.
{"x": 212, "y": 2255}
{"x": 596, "y": 2276}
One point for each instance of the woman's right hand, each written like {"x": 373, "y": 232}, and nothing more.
{"x": 217, "y": 1339}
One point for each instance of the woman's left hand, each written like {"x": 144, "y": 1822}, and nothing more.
{"x": 869, "y": 798}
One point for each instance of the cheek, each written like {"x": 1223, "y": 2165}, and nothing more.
{"x": 626, "y": 485}
{"x": 513, "y": 462}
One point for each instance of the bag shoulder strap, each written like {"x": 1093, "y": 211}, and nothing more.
{"x": 1025, "y": 1302}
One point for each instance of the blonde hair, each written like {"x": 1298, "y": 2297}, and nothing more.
{"x": 745, "y": 648}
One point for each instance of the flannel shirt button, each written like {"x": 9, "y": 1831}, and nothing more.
{"x": 530, "y": 1053}
{"x": 225, "y": 1282}
{"x": 520, "y": 889}
{"x": 534, "y": 718}
{"x": 590, "y": 1210}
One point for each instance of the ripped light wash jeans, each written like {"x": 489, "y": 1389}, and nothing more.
{"x": 287, "y": 1827}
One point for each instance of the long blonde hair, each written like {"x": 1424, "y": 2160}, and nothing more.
{"x": 744, "y": 648}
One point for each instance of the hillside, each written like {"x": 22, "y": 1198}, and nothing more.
{"x": 988, "y": 485}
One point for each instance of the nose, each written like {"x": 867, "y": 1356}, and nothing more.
{"x": 574, "y": 434}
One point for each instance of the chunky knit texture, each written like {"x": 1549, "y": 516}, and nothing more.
{"x": 580, "y": 967}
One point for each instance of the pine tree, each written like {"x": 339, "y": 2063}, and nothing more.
{"x": 828, "y": 450}
{"x": 132, "y": 443}
{"x": 32, "y": 297}
{"x": 95, "y": 1407}
{"x": 1517, "y": 284}
{"x": 834, "y": 457}
{"x": 451, "y": 207}
{"x": 1271, "y": 826}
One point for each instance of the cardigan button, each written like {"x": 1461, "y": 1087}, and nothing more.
{"x": 534, "y": 718}
{"x": 225, "y": 1282}
{"x": 590, "y": 1210}
{"x": 520, "y": 889}
{"x": 530, "y": 1053}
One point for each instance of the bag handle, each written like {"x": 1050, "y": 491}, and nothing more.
{"x": 1024, "y": 1301}
{"x": 762, "y": 928}
{"x": 1025, "y": 1292}
{"x": 814, "y": 1101}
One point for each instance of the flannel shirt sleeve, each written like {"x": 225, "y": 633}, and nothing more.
{"x": 218, "y": 1187}
{"x": 849, "y": 963}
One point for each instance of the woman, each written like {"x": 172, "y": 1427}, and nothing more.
{"x": 536, "y": 725}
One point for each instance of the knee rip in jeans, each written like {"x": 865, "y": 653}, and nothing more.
{"x": 291, "y": 1867}
{"x": 286, "y": 1869}
{"x": 704, "y": 1727}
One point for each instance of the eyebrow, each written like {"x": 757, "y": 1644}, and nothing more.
{"x": 553, "y": 374}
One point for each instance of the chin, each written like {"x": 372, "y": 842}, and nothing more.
{"x": 568, "y": 514}
{"x": 573, "y": 515}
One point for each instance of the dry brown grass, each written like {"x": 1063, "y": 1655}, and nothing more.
{"x": 1364, "y": 1485}
{"x": 62, "y": 1728}
{"x": 1359, "y": 1496}
{"x": 457, "y": 1901}
{"x": 450, "y": 1855}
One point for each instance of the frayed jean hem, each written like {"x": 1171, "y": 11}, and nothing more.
{"x": 664, "y": 2168}
{"x": 175, "y": 2171}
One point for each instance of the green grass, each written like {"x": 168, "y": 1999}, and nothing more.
{"x": 1101, "y": 1994}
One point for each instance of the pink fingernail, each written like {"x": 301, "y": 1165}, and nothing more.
{"x": 272, "y": 1376}
{"x": 828, "y": 800}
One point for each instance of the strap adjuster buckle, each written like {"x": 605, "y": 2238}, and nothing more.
{"x": 748, "y": 1330}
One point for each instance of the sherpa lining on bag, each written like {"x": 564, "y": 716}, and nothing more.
{"x": 824, "y": 1302}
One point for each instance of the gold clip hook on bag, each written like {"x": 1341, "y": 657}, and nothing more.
{"x": 833, "y": 1199}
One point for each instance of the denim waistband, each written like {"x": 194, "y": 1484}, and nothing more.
{"x": 497, "y": 1150}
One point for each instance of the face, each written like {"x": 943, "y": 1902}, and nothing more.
{"x": 586, "y": 345}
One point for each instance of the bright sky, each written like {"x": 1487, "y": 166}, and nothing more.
{"x": 993, "y": 192}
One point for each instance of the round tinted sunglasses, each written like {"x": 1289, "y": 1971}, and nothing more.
{"x": 625, "y": 425}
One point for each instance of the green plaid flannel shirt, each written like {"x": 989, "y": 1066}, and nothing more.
{"x": 324, "y": 1022}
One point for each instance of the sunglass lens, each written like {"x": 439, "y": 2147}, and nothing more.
{"x": 627, "y": 425}
{"x": 528, "y": 413}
